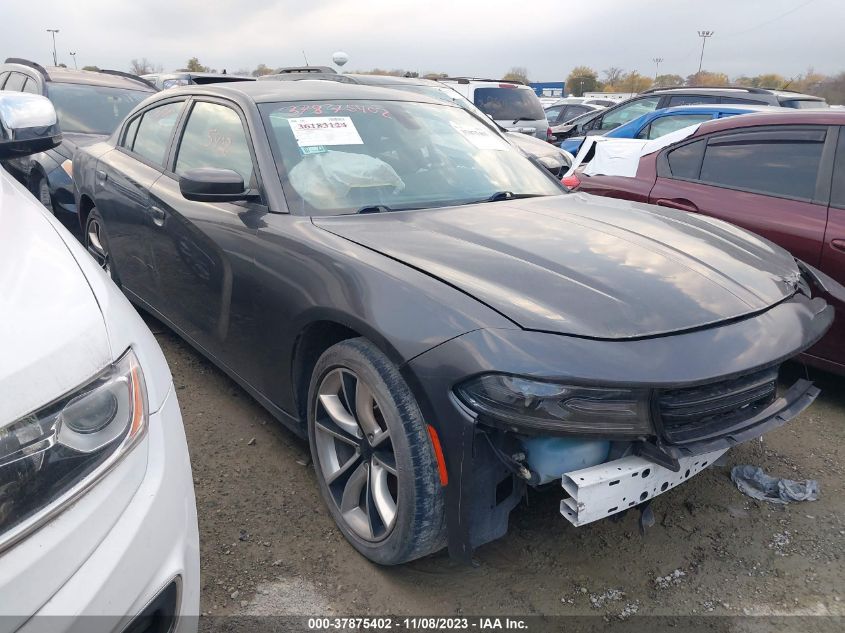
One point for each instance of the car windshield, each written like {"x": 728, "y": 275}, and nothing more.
{"x": 92, "y": 109}
{"x": 347, "y": 156}
{"x": 509, "y": 104}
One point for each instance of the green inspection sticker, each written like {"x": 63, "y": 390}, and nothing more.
{"x": 312, "y": 149}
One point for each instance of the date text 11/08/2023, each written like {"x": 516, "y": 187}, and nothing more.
{"x": 429, "y": 623}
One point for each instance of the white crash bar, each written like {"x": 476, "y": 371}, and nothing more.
{"x": 600, "y": 491}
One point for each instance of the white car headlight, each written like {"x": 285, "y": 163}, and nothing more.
{"x": 51, "y": 456}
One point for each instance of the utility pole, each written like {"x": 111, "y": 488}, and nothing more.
{"x": 55, "y": 59}
{"x": 77, "y": 67}
{"x": 703, "y": 35}
{"x": 657, "y": 61}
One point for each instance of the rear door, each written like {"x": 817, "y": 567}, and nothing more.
{"x": 765, "y": 179}
{"x": 124, "y": 177}
{"x": 833, "y": 251}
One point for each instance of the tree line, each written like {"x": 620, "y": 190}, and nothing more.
{"x": 585, "y": 79}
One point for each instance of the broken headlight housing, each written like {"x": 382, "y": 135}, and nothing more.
{"x": 524, "y": 404}
{"x": 49, "y": 457}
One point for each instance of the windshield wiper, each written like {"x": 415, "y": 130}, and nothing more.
{"x": 505, "y": 195}
{"x": 522, "y": 118}
{"x": 375, "y": 208}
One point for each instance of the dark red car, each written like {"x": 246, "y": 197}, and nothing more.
{"x": 781, "y": 176}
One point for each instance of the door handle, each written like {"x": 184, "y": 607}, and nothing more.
{"x": 102, "y": 175}
{"x": 158, "y": 216}
{"x": 677, "y": 203}
{"x": 838, "y": 244}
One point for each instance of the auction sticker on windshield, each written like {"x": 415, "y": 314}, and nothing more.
{"x": 481, "y": 137}
{"x": 324, "y": 130}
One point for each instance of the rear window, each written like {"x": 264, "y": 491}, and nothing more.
{"x": 509, "y": 104}
{"x": 804, "y": 104}
{"x": 92, "y": 109}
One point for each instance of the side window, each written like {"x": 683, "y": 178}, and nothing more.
{"x": 665, "y": 125}
{"x": 685, "y": 161}
{"x": 553, "y": 112}
{"x": 573, "y": 111}
{"x": 784, "y": 163}
{"x": 30, "y": 86}
{"x": 214, "y": 137}
{"x": 837, "y": 193}
{"x": 628, "y": 112}
{"x": 153, "y": 134}
{"x": 131, "y": 131}
{"x": 690, "y": 99}
{"x": 3, "y": 77}
{"x": 15, "y": 82}
{"x": 741, "y": 100}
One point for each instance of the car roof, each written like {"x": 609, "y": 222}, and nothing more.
{"x": 774, "y": 116}
{"x": 304, "y": 90}
{"x": 59, "y": 74}
{"x": 391, "y": 80}
{"x": 731, "y": 91}
{"x": 716, "y": 107}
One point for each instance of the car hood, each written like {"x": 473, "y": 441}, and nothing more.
{"x": 583, "y": 265}
{"x": 72, "y": 141}
{"x": 53, "y": 335}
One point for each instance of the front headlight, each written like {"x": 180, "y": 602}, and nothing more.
{"x": 524, "y": 404}
{"x": 49, "y": 457}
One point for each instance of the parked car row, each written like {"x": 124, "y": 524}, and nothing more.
{"x": 396, "y": 279}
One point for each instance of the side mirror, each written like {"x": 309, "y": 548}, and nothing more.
{"x": 28, "y": 125}
{"x": 209, "y": 184}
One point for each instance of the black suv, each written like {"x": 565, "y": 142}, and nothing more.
{"x": 89, "y": 104}
{"x": 602, "y": 121}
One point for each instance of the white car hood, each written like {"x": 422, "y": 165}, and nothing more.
{"x": 52, "y": 334}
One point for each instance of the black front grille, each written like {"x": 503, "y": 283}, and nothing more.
{"x": 709, "y": 411}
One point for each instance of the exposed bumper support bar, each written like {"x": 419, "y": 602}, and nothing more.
{"x": 601, "y": 491}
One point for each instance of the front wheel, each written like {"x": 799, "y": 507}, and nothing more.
{"x": 375, "y": 464}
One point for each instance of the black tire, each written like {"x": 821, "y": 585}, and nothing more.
{"x": 418, "y": 527}
{"x": 41, "y": 190}
{"x": 98, "y": 248}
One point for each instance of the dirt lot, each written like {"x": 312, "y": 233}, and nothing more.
{"x": 270, "y": 547}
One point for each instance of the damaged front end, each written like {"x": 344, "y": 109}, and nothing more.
{"x": 613, "y": 422}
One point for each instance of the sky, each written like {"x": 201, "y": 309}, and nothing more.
{"x": 459, "y": 37}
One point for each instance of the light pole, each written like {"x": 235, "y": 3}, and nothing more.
{"x": 657, "y": 61}
{"x": 703, "y": 35}
{"x": 77, "y": 67}
{"x": 54, "y": 31}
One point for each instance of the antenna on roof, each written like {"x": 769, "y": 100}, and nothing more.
{"x": 306, "y": 58}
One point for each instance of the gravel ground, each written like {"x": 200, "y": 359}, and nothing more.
{"x": 270, "y": 547}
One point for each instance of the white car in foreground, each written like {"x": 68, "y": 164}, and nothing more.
{"x": 97, "y": 510}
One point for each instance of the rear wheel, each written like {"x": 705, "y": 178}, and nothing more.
{"x": 40, "y": 188}
{"x": 374, "y": 461}
{"x": 96, "y": 243}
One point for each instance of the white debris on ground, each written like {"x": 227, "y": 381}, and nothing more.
{"x": 779, "y": 542}
{"x": 670, "y": 580}
{"x": 599, "y": 600}
{"x": 630, "y": 609}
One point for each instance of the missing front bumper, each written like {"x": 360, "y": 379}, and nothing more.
{"x": 601, "y": 491}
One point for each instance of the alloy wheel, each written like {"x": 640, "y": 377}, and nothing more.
{"x": 94, "y": 244}
{"x": 355, "y": 454}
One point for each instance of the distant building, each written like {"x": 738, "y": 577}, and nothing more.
{"x": 549, "y": 88}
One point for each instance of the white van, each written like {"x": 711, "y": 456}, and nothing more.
{"x": 512, "y": 105}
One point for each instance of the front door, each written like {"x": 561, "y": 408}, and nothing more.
{"x": 201, "y": 249}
